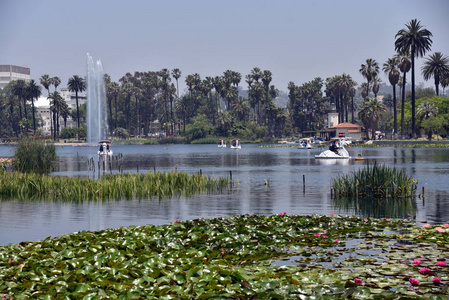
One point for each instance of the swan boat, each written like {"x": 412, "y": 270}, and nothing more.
{"x": 221, "y": 144}
{"x": 305, "y": 143}
{"x": 105, "y": 148}
{"x": 340, "y": 153}
{"x": 236, "y": 144}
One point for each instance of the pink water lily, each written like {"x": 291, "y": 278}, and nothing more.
{"x": 446, "y": 225}
{"x": 426, "y": 226}
{"x": 317, "y": 234}
{"x": 441, "y": 263}
{"x": 416, "y": 261}
{"x": 440, "y": 230}
{"x": 324, "y": 231}
{"x": 176, "y": 221}
{"x": 413, "y": 281}
{"x": 283, "y": 213}
{"x": 332, "y": 214}
{"x": 436, "y": 280}
{"x": 357, "y": 280}
{"x": 424, "y": 270}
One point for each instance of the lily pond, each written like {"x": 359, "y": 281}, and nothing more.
{"x": 276, "y": 232}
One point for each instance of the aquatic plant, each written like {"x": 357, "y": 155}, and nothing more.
{"x": 374, "y": 181}
{"x": 34, "y": 155}
{"x": 241, "y": 257}
{"x": 112, "y": 186}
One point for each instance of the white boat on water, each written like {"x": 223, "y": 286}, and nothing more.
{"x": 221, "y": 144}
{"x": 305, "y": 143}
{"x": 236, "y": 144}
{"x": 337, "y": 150}
{"x": 105, "y": 148}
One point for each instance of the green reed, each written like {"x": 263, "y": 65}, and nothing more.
{"x": 376, "y": 182}
{"x": 115, "y": 186}
{"x": 35, "y": 156}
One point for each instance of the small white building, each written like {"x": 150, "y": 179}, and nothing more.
{"x": 348, "y": 130}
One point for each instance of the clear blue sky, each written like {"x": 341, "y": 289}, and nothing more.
{"x": 296, "y": 40}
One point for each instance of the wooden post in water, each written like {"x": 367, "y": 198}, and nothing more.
{"x": 201, "y": 172}
{"x": 137, "y": 168}
{"x": 303, "y": 183}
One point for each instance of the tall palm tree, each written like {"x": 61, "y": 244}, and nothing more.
{"x": 416, "y": 40}
{"x": 444, "y": 81}
{"x": 19, "y": 89}
{"x": 56, "y": 81}
{"x": 55, "y": 104}
{"x": 46, "y": 82}
{"x": 405, "y": 66}
{"x": 34, "y": 91}
{"x": 76, "y": 84}
{"x": 370, "y": 113}
{"x": 176, "y": 73}
{"x": 369, "y": 70}
{"x": 389, "y": 68}
{"x": 436, "y": 66}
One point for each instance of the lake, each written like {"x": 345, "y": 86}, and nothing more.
{"x": 268, "y": 180}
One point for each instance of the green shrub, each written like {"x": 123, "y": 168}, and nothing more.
{"x": 34, "y": 156}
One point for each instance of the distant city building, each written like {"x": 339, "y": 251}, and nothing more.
{"x": 9, "y": 73}
{"x": 43, "y": 109}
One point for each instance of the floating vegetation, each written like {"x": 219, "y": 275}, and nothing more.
{"x": 116, "y": 186}
{"x": 336, "y": 257}
{"x": 379, "y": 182}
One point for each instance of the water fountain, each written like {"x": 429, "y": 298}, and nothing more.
{"x": 97, "y": 123}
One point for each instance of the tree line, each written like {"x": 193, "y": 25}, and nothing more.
{"x": 220, "y": 106}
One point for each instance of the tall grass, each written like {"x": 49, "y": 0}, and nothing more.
{"x": 116, "y": 186}
{"x": 34, "y": 156}
{"x": 375, "y": 181}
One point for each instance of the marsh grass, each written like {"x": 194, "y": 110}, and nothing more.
{"x": 34, "y": 156}
{"x": 380, "y": 182}
{"x": 19, "y": 185}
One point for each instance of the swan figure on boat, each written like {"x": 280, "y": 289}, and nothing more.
{"x": 337, "y": 150}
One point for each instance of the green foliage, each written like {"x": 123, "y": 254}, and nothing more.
{"x": 33, "y": 186}
{"x": 200, "y": 128}
{"x": 121, "y": 133}
{"x": 34, "y": 156}
{"x": 70, "y": 133}
{"x": 375, "y": 182}
{"x": 249, "y": 131}
{"x": 205, "y": 141}
{"x": 241, "y": 257}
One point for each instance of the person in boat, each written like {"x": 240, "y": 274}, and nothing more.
{"x": 333, "y": 147}
{"x": 101, "y": 148}
{"x": 107, "y": 148}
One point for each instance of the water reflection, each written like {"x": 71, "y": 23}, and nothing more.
{"x": 377, "y": 208}
{"x": 268, "y": 181}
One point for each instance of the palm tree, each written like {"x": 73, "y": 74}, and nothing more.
{"x": 34, "y": 90}
{"x": 436, "y": 66}
{"x": 77, "y": 84}
{"x": 56, "y": 82}
{"x": 241, "y": 108}
{"x": 389, "y": 68}
{"x": 176, "y": 73}
{"x": 19, "y": 89}
{"x": 404, "y": 66}
{"x": 46, "y": 82}
{"x": 55, "y": 104}
{"x": 370, "y": 113}
{"x": 369, "y": 70}
{"x": 444, "y": 81}
{"x": 416, "y": 40}
{"x": 427, "y": 110}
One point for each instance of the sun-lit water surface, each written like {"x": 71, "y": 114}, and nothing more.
{"x": 269, "y": 180}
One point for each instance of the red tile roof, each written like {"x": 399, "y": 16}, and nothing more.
{"x": 346, "y": 125}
